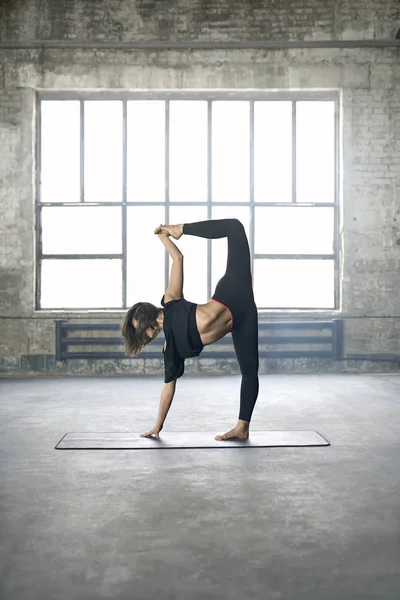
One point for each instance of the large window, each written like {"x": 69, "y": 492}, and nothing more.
{"x": 111, "y": 167}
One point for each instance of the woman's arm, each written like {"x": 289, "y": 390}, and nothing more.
{"x": 167, "y": 395}
{"x": 173, "y": 250}
{"x": 174, "y": 290}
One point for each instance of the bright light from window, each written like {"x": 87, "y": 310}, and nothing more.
{"x": 230, "y": 151}
{"x": 87, "y": 231}
{"x": 294, "y": 283}
{"x": 60, "y": 151}
{"x": 103, "y": 151}
{"x": 146, "y": 151}
{"x": 81, "y": 284}
{"x": 81, "y": 230}
{"x": 293, "y": 230}
{"x": 273, "y": 151}
{"x": 146, "y": 255}
{"x": 315, "y": 151}
{"x": 188, "y": 151}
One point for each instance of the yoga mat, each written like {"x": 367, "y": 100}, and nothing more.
{"x": 186, "y": 439}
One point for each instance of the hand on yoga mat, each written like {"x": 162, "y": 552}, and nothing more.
{"x": 155, "y": 431}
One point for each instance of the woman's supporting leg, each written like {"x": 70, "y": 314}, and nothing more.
{"x": 245, "y": 341}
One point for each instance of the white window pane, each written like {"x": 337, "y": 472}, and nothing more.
{"x": 146, "y": 151}
{"x": 230, "y": 151}
{"x": 60, "y": 151}
{"x": 145, "y": 255}
{"x": 293, "y": 230}
{"x": 219, "y": 247}
{"x": 315, "y": 151}
{"x": 103, "y": 151}
{"x": 81, "y": 230}
{"x": 273, "y": 151}
{"x": 188, "y": 151}
{"x": 194, "y": 250}
{"x": 294, "y": 283}
{"x": 88, "y": 283}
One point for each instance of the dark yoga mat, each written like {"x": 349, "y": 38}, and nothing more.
{"x": 185, "y": 439}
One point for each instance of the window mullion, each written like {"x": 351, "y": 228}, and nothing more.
{"x": 209, "y": 195}
{"x": 38, "y": 211}
{"x": 294, "y": 164}
{"x": 124, "y": 198}
{"x": 252, "y": 205}
{"x": 167, "y": 146}
{"x": 82, "y": 151}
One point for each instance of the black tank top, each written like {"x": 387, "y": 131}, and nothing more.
{"x": 181, "y": 335}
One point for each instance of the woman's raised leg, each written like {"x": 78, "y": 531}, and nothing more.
{"x": 238, "y": 263}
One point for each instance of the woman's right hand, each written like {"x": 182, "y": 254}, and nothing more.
{"x": 155, "y": 431}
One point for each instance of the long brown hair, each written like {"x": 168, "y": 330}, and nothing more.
{"x": 135, "y": 338}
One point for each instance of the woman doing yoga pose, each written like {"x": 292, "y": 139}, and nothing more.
{"x": 188, "y": 327}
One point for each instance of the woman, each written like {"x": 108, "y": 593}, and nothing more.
{"x": 188, "y": 327}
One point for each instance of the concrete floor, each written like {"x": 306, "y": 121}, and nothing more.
{"x": 317, "y": 523}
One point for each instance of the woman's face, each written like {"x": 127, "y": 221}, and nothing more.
{"x": 151, "y": 332}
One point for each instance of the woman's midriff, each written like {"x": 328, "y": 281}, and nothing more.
{"x": 213, "y": 320}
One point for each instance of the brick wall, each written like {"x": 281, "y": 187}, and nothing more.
{"x": 369, "y": 82}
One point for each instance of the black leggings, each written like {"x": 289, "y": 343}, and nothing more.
{"x": 235, "y": 291}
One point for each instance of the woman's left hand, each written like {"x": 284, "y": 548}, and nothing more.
{"x": 175, "y": 231}
{"x": 163, "y": 230}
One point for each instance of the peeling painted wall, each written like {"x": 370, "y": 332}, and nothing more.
{"x": 369, "y": 80}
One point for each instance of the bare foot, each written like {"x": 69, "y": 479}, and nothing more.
{"x": 241, "y": 433}
{"x": 171, "y": 230}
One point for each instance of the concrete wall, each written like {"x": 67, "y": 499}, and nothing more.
{"x": 369, "y": 81}
{"x": 197, "y": 19}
